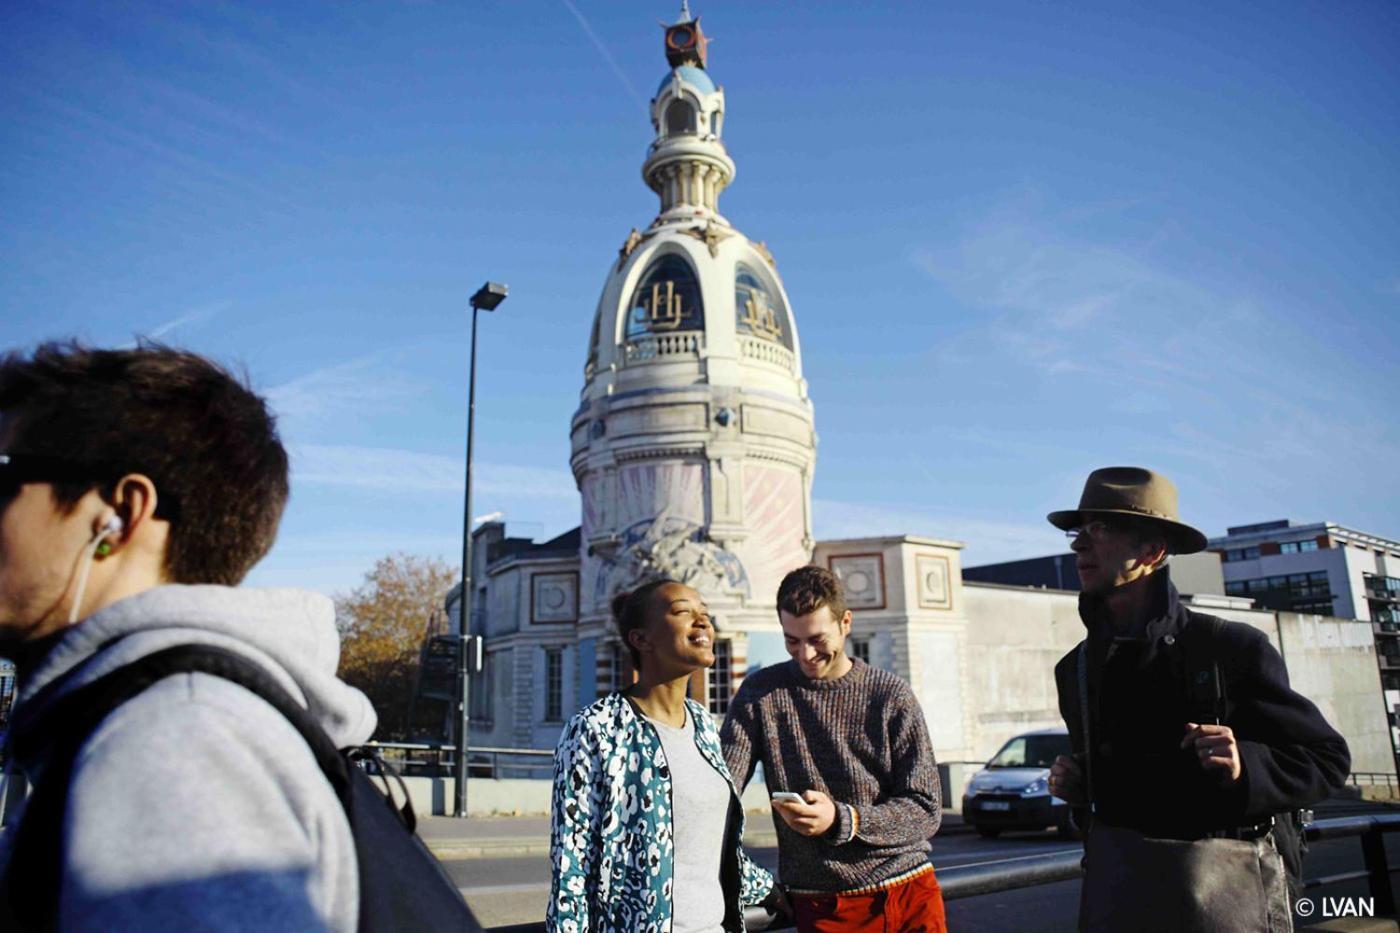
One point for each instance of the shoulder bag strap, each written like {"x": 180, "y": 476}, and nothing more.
{"x": 1085, "y": 718}
{"x": 1205, "y": 687}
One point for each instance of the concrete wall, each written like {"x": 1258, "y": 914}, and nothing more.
{"x": 1333, "y": 662}
{"x": 1014, "y": 637}
{"x": 1198, "y": 573}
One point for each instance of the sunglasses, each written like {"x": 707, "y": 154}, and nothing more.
{"x": 17, "y": 469}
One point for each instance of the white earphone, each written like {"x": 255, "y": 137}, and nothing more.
{"x": 112, "y": 526}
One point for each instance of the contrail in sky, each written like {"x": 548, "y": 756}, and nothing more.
{"x": 603, "y": 50}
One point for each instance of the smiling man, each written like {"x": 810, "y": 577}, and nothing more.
{"x": 1198, "y": 743}
{"x": 851, "y": 741}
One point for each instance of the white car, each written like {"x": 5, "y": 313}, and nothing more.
{"x": 1012, "y": 791}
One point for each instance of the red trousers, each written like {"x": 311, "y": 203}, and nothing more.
{"x": 914, "y": 906}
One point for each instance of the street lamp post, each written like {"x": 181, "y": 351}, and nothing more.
{"x": 487, "y": 297}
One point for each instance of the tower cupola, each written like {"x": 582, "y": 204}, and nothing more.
{"x": 687, "y": 164}
{"x": 693, "y": 443}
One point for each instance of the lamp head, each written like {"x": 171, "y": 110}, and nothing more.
{"x": 488, "y": 296}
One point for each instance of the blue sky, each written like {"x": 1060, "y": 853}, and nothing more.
{"x": 1021, "y": 240}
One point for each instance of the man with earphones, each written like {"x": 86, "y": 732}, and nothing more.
{"x": 137, "y": 488}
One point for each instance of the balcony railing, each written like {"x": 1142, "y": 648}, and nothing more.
{"x": 766, "y": 351}
{"x": 665, "y": 347}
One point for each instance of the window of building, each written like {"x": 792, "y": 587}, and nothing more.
{"x": 759, "y": 310}
{"x": 479, "y": 691}
{"x": 592, "y": 362}
{"x": 1288, "y": 547}
{"x": 859, "y": 648}
{"x": 680, "y": 118}
{"x": 621, "y": 667}
{"x": 720, "y": 678}
{"x": 1307, "y": 545}
{"x": 553, "y": 684}
{"x": 667, "y": 300}
{"x": 1297, "y": 592}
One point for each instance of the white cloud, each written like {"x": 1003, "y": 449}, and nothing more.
{"x": 607, "y": 56}
{"x": 364, "y": 384}
{"x": 392, "y": 469}
{"x": 195, "y": 316}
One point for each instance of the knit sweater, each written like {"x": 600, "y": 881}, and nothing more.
{"x": 862, "y": 740}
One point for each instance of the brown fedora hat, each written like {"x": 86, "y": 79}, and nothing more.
{"x": 1134, "y": 492}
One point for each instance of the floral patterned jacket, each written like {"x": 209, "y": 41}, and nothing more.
{"x": 610, "y": 838}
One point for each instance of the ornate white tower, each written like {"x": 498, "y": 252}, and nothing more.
{"x": 693, "y": 446}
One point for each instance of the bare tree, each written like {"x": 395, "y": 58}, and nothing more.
{"x": 383, "y": 623}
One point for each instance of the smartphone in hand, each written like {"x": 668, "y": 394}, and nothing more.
{"x": 787, "y": 796}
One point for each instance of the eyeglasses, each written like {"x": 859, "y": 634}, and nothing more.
{"x": 1095, "y": 530}
{"x": 16, "y": 469}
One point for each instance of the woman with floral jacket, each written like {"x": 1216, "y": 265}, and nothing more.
{"x": 647, "y": 824}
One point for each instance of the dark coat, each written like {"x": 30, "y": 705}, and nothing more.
{"x": 1141, "y": 778}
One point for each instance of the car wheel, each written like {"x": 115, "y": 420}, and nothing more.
{"x": 989, "y": 832}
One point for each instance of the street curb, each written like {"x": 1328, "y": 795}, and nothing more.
{"x": 452, "y": 850}
{"x": 463, "y": 851}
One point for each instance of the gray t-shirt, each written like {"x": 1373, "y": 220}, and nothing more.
{"x": 699, "y": 815}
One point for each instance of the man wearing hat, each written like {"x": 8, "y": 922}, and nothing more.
{"x": 1191, "y": 749}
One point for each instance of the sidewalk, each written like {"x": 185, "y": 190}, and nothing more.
{"x": 452, "y": 839}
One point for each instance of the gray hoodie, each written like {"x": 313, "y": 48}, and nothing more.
{"x": 196, "y": 805}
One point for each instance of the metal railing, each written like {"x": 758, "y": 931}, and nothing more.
{"x": 1372, "y": 779}
{"x": 414, "y": 759}
{"x": 962, "y": 881}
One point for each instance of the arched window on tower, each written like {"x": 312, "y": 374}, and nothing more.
{"x": 592, "y": 364}
{"x": 667, "y": 300}
{"x": 680, "y": 118}
{"x": 759, "y": 311}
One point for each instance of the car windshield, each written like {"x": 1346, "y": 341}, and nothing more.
{"x": 1030, "y": 751}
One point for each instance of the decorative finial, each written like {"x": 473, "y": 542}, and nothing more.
{"x": 685, "y": 11}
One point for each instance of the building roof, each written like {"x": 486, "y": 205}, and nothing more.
{"x": 565, "y": 545}
{"x": 696, "y": 77}
{"x": 1289, "y": 530}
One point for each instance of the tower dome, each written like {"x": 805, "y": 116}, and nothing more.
{"x": 693, "y": 444}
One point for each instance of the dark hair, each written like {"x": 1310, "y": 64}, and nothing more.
{"x": 630, "y": 610}
{"x": 207, "y": 442}
{"x": 807, "y": 589}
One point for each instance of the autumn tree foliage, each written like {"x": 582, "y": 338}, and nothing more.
{"x": 382, "y": 626}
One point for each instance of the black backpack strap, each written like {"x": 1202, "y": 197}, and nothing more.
{"x": 36, "y": 863}
{"x": 1205, "y": 687}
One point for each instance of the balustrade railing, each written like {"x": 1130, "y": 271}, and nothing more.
{"x": 687, "y": 343}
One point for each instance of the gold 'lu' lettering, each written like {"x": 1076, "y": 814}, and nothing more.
{"x": 664, "y": 313}
{"x": 760, "y": 317}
